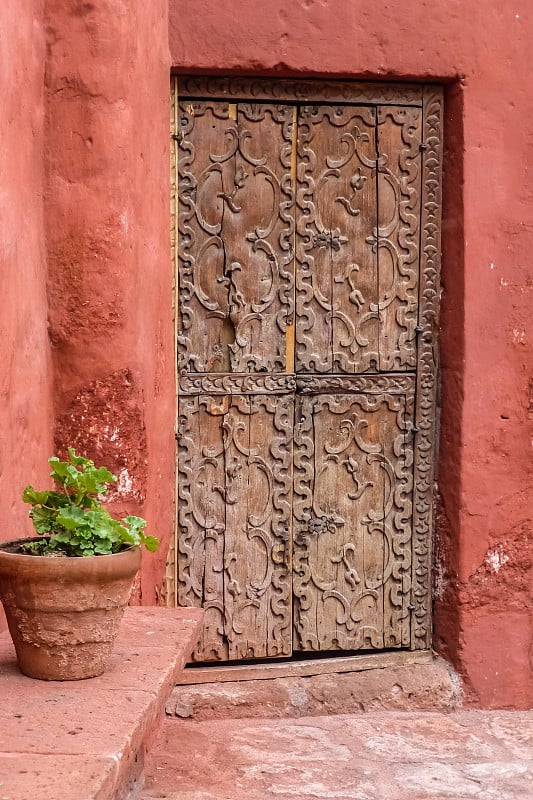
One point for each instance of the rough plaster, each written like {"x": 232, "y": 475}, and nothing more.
{"x": 110, "y": 278}
{"x": 105, "y": 147}
{"x": 25, "y": 381}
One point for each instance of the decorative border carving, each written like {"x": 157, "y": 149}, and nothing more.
{"x": 425, "y": 417}
{"x": 367, "y": 384}
{"x": 245, "y": 383}
{"x": 306, "y": 91}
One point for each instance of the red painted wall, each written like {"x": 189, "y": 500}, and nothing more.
{"x": 481, "y": 51}
{"x": 98, "y": 72}
{"x": 25, "y": 390}
{"x": 107, "y": 224}
{"x": 25, "y": 381}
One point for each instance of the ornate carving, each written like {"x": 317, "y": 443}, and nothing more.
{"x": 301, "y": 91}
{"x": 368, "y": 384}
{"x": 357, "y": 282}
{"x": 337, "y": 292}
{"x": 234, "y": 522}
{"x": 236, "y": 233}
{"x": 397, "y": 235}
{"x": 193, "y": 383}
{"x": 367, "y": 190}
{"x": 352, "y": 517}
{"x": 424, "y": 444}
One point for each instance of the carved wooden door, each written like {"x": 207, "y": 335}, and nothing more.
{"x": 308, "y": 254}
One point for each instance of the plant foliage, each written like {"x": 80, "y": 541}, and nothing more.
{"x": 71, "y": 519}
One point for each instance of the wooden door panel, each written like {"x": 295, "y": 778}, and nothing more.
{"x": 236, "y": 230}
{"x": 352, "y": 521}
{"x": 337, "y": 280}
{"x": 308, "y": 261}
{"x": 234, "y": 555}
{"x": 399, "y": 182}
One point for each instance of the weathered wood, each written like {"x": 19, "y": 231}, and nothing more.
{"x": 352, "y": 508}
{"x": 337, "y": 279}
{"x": 398, "y": 212}
{"x": 427, "y": 367}
{"x": 299, "y": 669}
{"x": 234, "y": 522}
{"x": 302, "y": 91}
{"x": 236, "y": 230}
{"x": 302, "y": 282}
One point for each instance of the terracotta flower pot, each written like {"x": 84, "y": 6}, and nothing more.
{"x": 64, "y": 613}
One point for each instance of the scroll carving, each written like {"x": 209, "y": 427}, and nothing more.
{"x": 397, "y": 235}
{"x": 352, "y": 519}
{"x": 302, "y": 91}
{"x": 337, "y": 317}
{"x": 237, "y": 384}
{"x": 236, "y": 232}
{"x": 427, "y": 368}
{"x": 368, "y": 384}
{"x": 234, "y": 522}
{"x": 357, "y": 276}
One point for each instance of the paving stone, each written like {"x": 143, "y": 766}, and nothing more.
{"x": 377, "y": 756}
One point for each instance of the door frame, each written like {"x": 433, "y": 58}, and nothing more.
{"x": 430, "y": 99}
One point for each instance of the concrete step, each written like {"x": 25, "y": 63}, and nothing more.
{"x": 86, "y": 740}
{"x": 424, "y": 686}
{"x": 481, "y": 755}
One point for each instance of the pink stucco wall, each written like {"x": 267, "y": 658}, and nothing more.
{"x": 481, "y": 51}
{"x": 110, "y": 278}
{"x": 25, "y": 383}
{"x": 84, "y": 126}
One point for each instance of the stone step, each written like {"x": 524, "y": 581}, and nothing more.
{"x": 86, "y": 740}
{"x": 423, "y": 687}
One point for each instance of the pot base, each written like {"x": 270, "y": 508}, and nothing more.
{"x": 63, "y": 647}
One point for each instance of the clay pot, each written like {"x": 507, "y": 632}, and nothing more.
{"x": 64, "y": 613}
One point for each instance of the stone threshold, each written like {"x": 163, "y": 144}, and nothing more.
{"x": 87, "y": 739}
{"x": 421, "y": 682}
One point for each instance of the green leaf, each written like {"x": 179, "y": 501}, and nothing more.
{"x": 59, "y": 468}
{"x": 77, "y": 460}
{"x": 151, "y": 543}
{"x": 35, "y": 498}
{"x": 71, "y": 517}
{"x": 43, "y": 519}
{"x": 103, "y": 475}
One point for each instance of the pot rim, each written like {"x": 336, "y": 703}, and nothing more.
{"x": 70, "y": 569}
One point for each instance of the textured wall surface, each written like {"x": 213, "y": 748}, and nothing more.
{"x": 25, "y": 390}
{"x": 100, "y": 157}
{"x": 480, "y": 51}
{"x": 107, "y": 223}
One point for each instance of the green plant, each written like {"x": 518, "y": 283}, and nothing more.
{"x": 71, "y": 519}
